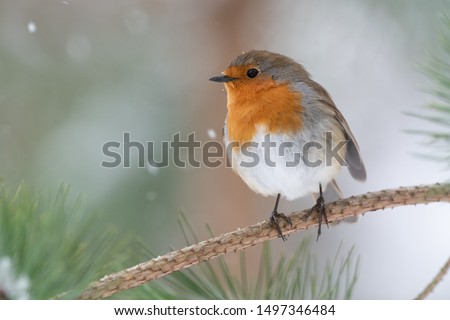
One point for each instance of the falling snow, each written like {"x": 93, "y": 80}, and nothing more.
{"x": 31, "y": 27}
{"x": 212, "y": 133}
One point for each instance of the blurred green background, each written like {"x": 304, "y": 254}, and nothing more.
{"x": 76, "y": 74}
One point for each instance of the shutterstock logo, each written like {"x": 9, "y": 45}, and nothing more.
{"x": 212, "y": 154}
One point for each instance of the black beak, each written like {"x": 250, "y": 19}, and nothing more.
{"x": 222, "y": 78}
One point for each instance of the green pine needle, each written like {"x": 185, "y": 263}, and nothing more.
{"x": 438, "y": 112}
{"x": 54, "y": 243}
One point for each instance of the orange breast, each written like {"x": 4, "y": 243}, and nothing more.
{"x": 266, "y": 103}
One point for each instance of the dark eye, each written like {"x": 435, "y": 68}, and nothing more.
{"x": 252, "y": 73}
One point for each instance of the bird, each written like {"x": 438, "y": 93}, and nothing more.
{"x": 287, "y": 136}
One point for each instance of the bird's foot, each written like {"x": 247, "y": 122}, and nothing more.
{"x": 319, "y": 207}
{"x": 274, "y": 222}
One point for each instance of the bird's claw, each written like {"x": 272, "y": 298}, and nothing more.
{"x": 319, "y": 207}
{"x": 274, "y": 222}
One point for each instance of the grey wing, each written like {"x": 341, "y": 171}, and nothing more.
{"x": 353, "y": 155}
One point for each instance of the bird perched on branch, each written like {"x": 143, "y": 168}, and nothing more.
{"x": 288, "y": 138}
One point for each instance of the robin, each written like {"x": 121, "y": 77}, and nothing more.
{"x": 288, "y": 137}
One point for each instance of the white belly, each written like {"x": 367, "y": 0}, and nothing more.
{"x": 283, "y": 168}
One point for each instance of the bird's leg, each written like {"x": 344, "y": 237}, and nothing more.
{"x": 319, "y": 207}
{"x": 274, "y": 219}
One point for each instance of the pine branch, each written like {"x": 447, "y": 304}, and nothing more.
{"x": 438, "y": 278}
{"x": 252, "y": 235}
